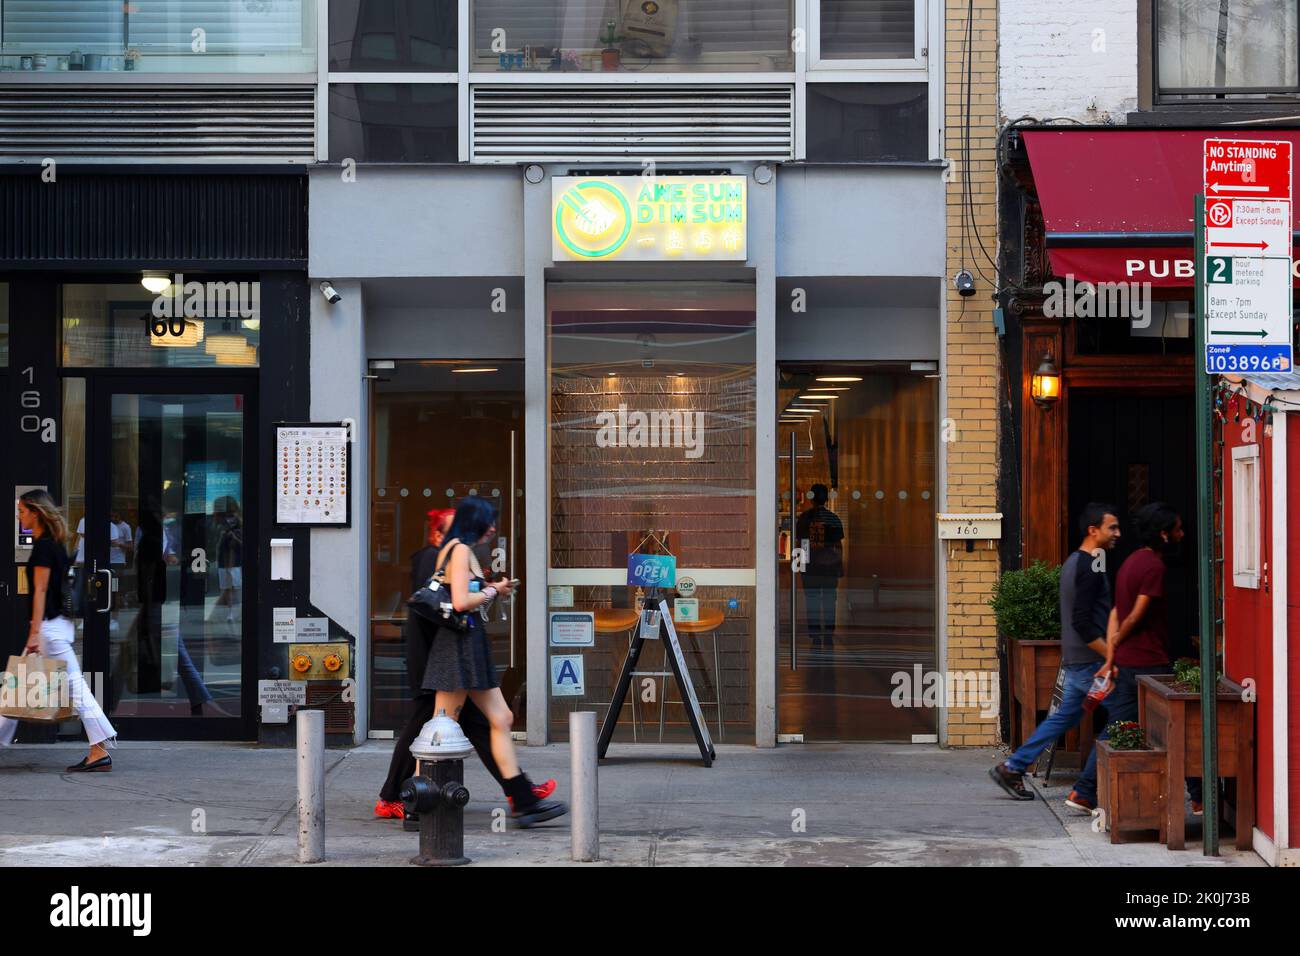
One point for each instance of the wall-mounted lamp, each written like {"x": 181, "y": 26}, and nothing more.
{"x": 1045, "y": 387}
{"x": 156, "y": 282}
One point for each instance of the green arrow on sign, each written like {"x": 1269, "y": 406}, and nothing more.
{"x": 1260, "y": 334}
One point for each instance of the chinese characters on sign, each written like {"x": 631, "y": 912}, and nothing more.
{"x": 648, "y": 218}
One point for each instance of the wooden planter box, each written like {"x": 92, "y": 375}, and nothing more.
{"x": 1172, "y": 720}
{"x": 1032, "y": 667}
{"x": 1132, "y": 790}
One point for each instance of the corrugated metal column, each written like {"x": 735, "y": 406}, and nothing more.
{"x": 537, "y": 253}
{"x": 762, "y": 245}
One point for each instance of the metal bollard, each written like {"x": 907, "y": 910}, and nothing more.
{"x": 585, "y": 830}
{"x": 311, "y": 786}
{"x": 438, "y": 793}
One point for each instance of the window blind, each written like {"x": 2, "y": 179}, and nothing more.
{"x": 151, "y": 26}
{"x": 708, "y": 26}
{"x": 868, "y": 29}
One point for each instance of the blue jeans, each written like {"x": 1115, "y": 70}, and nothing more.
{"x": 1078, "y": 680}
{"x": 1122, "y": 704}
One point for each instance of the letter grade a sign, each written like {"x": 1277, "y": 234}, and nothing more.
{"x": 1248, "y": 266}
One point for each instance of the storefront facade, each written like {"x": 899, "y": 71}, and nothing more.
{"x": 647, "y": 405}
{"x": 144, "y": 366}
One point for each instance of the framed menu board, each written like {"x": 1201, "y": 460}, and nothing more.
{"x": 313, "y": 471}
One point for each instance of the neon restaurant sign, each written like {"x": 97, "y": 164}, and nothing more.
{"x": 648, "y": 218}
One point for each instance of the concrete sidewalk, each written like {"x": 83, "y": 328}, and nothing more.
{"x": 201, "y": 804}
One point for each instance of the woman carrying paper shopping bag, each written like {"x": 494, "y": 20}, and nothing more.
{"x": 52, "y": 632}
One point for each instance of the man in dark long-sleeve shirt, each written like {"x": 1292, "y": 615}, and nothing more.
{"x": 1085, "y": 613}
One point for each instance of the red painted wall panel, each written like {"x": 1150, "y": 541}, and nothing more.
{"x": 1248, "y": 612}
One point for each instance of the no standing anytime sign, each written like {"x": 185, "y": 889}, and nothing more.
{"x": 1247, "y": 272}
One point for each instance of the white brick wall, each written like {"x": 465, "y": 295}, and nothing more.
{"x": 1058, "y": 59}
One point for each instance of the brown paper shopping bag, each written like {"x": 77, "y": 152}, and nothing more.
{"x": 35, "y": 688}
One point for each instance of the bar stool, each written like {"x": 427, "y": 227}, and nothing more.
{"x": 709, "y": 622}
{"x": 614, "y": 620}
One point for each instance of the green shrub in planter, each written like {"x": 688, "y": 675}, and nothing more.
{"x": 1027, "y": 603}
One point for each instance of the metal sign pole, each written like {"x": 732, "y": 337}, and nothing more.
{"x": 1205, "y": 563}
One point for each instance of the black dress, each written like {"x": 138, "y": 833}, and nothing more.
{"x": 461, "y": 661}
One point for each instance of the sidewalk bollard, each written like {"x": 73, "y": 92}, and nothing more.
{"x": 437, "y": 792}
{"x": 311, "y": 786}
{"x": 585, "y": 830}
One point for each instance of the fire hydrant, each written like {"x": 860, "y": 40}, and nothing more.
{"x": 437, "y": 792}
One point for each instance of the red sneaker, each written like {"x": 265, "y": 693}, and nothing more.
{"x": 390, "y": 809}
{"x": 540, "y": 791}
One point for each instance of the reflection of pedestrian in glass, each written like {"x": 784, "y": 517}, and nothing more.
{"x": 460, "y": 665}
{"x": 51, "y": 633}
{"x": 158, "y": 549}
{"x": 824, "y": 532}
{"x": 230, "y": 556}
{"x": 418, "y": 634}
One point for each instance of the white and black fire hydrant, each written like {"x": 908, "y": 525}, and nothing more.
{"x": 438, "y": 793}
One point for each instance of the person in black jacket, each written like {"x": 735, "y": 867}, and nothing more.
{"x": 418, "y": 635}
{"x": 1085, "y": 617}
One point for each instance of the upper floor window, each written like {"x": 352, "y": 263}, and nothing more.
{"x": 633, "y": 36}
{"x": 868, "y": 34}
{"x": 1216, "y": 50}
{"x": 393, "y": 36}
{"x": 158, "y": 36}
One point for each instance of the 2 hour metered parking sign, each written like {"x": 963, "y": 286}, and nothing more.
{"x": 1248, "y": 265}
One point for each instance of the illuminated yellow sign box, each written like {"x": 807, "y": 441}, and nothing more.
{"x": 640, "y": 218}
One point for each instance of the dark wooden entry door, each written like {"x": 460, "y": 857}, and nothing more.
{"x": 1129, "y": 450}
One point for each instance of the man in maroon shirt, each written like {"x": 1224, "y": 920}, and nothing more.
{"x": 1138, "y": 633}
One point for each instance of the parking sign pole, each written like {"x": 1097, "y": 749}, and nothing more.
{"x": 1205, "y": 562}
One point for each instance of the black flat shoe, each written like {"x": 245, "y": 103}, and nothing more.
{"x": 102, "y": 765}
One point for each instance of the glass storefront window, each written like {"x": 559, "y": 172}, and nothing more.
{"x": 868, "y": 29}
{"x": 194, "y": 324}
{"x": 393, "y": 123}
{"x": 634, "y": 36}
{"x": 158, "y": 36}
{"x": 441, "y": 433}
{"x": 389, "y": 36}
{"x": 864, "y": 122}
{"x": 652, "y": 451}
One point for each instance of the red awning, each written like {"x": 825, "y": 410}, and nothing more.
{"x": 1117, "y": 203}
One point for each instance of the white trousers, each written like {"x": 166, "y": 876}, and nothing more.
{"x": 56, "y": 638}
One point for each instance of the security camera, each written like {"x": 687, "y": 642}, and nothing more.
{"x": 965, "y": 283}
{"x": 331, "y": 294}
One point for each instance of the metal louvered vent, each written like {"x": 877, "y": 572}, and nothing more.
{"x": 522, "y": 123}
{"x": 181, "y": 124}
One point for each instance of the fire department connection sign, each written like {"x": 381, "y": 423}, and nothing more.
{"x": 1247, "y": 256}
{"x": 630, "y": 218}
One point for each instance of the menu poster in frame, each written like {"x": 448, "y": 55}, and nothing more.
{"x": 313, "y": 472}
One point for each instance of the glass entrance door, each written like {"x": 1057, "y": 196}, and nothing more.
{"x": 857, "y": 486}
{"x": 161, "y": 547}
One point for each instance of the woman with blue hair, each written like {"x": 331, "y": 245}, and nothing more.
{"x": 460, "y": 664}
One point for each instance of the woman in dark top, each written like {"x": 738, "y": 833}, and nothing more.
{"x": 418, "y": 635}
{"x": 52, "y": 633}
{"x": 460, "y": 665}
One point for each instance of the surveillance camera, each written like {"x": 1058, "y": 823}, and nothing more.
{"x": 331, "y": 294}
{"x": 965, "y": 283}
